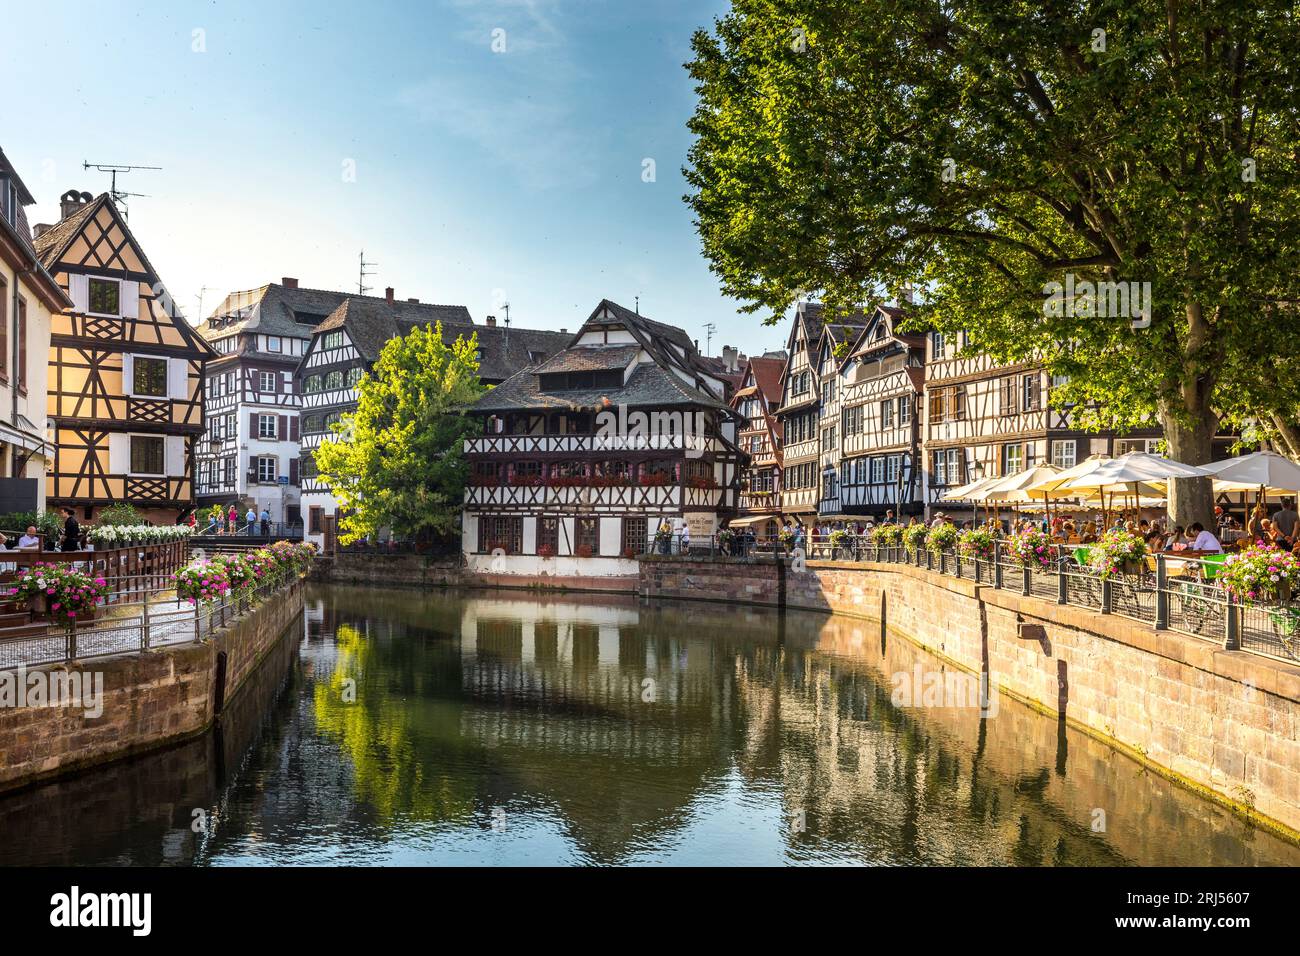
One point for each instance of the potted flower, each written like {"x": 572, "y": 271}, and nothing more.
{"x": 842, "y": 539}
{"x": 976, "y": 543}
{"x": 1263, "y": 574}
{"x": 583, "y": 551}
{"x": 887, "y": 535}
{"x": 202, "y": 580}
{"x": 726, "y": 538}
{"x": 786, "y": 537}
{"x": 545, "y": 551}
{"x": 66, "y": 594}
{"x": 941, "y": 537}
{"x": 914, "y": 537}
{"x": 1117, "y": 552}
{"x": 1032, "y": 548}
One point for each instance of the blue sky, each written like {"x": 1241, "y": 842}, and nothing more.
{"x": 480, "y": 176}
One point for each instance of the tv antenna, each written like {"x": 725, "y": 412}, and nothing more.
{"x": 362, "y": 288}
{"x": 117, "y": 195}
{"x": 709, "y": 329}
{"x": 202, "y": 290}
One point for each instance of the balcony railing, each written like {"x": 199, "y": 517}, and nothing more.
{"x": 588, "y": 444}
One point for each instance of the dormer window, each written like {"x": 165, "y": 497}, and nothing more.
{"x": 573, "y": 381}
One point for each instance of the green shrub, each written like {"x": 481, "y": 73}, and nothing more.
{"x": 47, "y": 522}
{"x": 120, "y": 513}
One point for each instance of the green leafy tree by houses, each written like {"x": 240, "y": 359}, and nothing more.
{"x": 397, "y": 461}
{"x": 985, "y": 150}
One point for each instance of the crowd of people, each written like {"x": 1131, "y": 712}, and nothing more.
{"x": 1280, "y": 529}
{"x": 229, "y": 521}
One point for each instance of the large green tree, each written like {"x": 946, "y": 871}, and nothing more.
{"x": 985, "y": 149}
{"x": 397, "y": 462}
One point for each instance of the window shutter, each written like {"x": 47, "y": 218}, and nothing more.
{"x": 175, "y": 455}
{"x": 178, "y": 378}
{"x": 288, "y": 381}
{"x": 79, "y": 292}
{"x": 282, "y": 428}
{"x": 293, "y": 428}
{"x": 128, "y": 379}
{"x": 128, "y": 299}
{"x": 252, "y": 425}
{"x": 252, "y": 468}
{"x": 293, "y": 471}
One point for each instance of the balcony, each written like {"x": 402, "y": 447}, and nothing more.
{"x": 579, "y": 498}
{"x": 592, "y": 445}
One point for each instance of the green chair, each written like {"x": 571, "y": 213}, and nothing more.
{"x": 1081, "y": 556}
{"x": 1211, "y": 565}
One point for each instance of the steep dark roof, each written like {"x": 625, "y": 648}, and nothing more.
{"x": 370, "y": 322}
{"x": 590, "y": 358}
{"x": 507, "y": 350}
{"x": 648, "y": 386}
{"x": 652, "y": 328}
{"x": 25, "y": 197}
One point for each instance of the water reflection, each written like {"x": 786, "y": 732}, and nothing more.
{"x": 413, "y": 728}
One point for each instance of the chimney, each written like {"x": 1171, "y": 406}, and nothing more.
{"x": 491, "y": 321}
{"x": 40, "y": 229}
{"x": 730, "y": 357}
{"x": 71, "y": 201}
{"x": 289, "y": 282}
{"x": 563, "y": 331}
{"x": 413, "y": 301}
{"x": 388, "y": 295}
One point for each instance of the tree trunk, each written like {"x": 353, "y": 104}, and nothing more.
{"x": 1191, "y": 499}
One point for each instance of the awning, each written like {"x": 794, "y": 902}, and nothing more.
{"x": 751, "y": 520}
{"x": 27, "y": 440}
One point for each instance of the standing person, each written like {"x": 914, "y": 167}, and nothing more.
{"x": 251, "y": 518}
{"x": 685, "y": 546}
{"x": 1285, "y": 518}
{"x": 266, "y": 522}
{"x": 71, "y": 531}
{"x": 232, "y": 520}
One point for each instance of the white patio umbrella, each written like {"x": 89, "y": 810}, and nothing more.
{"x": 1014, "y": 488}
{"x": 1138, "y": 474}
{"x": 1052, "y": 486}
{"x": 964, "y": 492}
{"x": 1267, "y": 469}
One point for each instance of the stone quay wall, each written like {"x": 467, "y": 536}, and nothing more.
{"x": 148, "y": 700}
{"x": 1225, "y": 723}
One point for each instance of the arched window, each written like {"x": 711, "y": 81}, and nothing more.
{"x": 312, "y": 384}
{"x": 354, "y": 376}
{"x": 333, "y": 381}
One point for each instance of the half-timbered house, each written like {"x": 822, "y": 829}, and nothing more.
{"x": 126, "y": 371}
{"x": 836, "y": 337}
{"x": 584, "y": 455}
{"x": 759, "y": 436}
{"x": 799, "y": 415}
{"x": 882, "y": 378}
{"x": 29, "y": 295}
{"x": 346, "y": 344}
{"x": 987, "y": 419}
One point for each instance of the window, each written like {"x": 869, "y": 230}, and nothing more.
{"x": 588, "y": 535}
{"x": 548, "y": 535}
{"x": 266, "y": 468}
{"x": 229, "y": 472}
{"x": 146, "y": 455}
{"x": 947, "y": 466}
{"x": 937, "y": 346}
{"x": 887, "y": 413}
{"x": 634, "y": 536}
{"x": 1007, "y": 395}
{"x": 314, "y": 515}
{"x": 904, "y": 410}
{"x": 104, "y": 296}
{"x": 948, "y": 404}
{"x": 852, "y": 420}
{"x": 333, "y": 340}
{"x": 1064, "y": 452}
{"x": 1013, "y": 459}
{"x": 273, "y": 344}
{"x": 307, "y": 464}
{"x": 893, "y": 464}
{"x": 266, "y": 381}
{"x": 312, "y": 384}
{"x": 828, "y": 391}
{"x": 877, "y": 471}
{"x": 828, "y": 439}
{"x": 1033, "y": 391}
{"x": 1125, "y": 445}
{"x": 267, "y": 426}
{"x": 354, "y": 376}
{"x": 149, "y": 376}
{"x": 333, "y": 381}
{"x": 313, "y": 423}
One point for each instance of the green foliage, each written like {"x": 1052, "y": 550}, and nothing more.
{"x": 121, "y": 513}
{"x": 398, "y": 461}
{"x": 985, "y": 149}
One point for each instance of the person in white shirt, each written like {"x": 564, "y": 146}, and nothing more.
{"x": 1204, "y": 540}
{"x": 30, "y": 541}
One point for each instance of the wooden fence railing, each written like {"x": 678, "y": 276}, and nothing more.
{"x": 129, "y": 572}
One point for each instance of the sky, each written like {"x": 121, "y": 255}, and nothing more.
{"x": 520, "y": 151}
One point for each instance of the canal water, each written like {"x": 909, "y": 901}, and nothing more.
{"x": 394, "y": 727}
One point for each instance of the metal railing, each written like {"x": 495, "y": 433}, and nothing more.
{"x": 157, "y": 618}
{"x": 1164, "y": 590}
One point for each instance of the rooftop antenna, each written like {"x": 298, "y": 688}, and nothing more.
{"x": 202, "y": 289}
{"x": 636, "y": 304}
{"x": 709, "y": 328}
{"x": 117, "y": 195}
{"x": 362, "y": 288}
{"x": 506, "y": 307}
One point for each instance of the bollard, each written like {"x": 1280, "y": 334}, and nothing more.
{"x": 1105, "y": 595}
{"x": 1062, "y": 581}
{"x": 997, "y": 563}
{"x": 1231, "y": 625}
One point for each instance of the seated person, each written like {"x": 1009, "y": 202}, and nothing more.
{"x": 1204, "y": 542}
{"x": 31, "y": 541}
